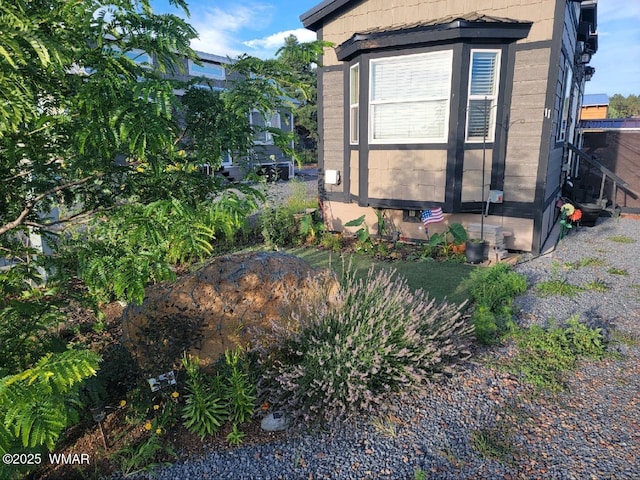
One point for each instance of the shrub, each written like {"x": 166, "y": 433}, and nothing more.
{"x": 331, "y": 241}
{"x": 493, "y": 290}
{"x": 496, "y": 286}
{"x": 27, "y": 317}
{"x": 278, "y": 227}
{"x": 380, "y": 337}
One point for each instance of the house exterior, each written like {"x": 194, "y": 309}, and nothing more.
{"x": 417, "y": 96}
{"x": 594, "y": 106}
{"x": 214, "y": 73}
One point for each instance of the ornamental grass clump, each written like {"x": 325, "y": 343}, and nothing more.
{"x": 332, "y": 361}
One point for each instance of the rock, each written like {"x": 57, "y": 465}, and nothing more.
{"x": 275, "y": 422}
{"x": 219, "y": 306}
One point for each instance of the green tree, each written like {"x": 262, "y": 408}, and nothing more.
{"x": 84, "y": 127}
{"x": 79, "y": 114}
{"x": 92, "y": 135}
{"x": 624, "y": 107}
{"x": 302, "y": 60}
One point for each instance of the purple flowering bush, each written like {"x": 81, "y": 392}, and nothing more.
{"x": 332, "y": 361}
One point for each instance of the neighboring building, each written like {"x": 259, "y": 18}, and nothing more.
{"x": 615, "y": 144}
{"x": 417, "y": 95}
{"x": 265, "y": 157}
{"x": 594, "y": 107}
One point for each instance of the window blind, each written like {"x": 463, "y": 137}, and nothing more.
{"x": 483, "y": 95}
{"x": 409, "y": 97}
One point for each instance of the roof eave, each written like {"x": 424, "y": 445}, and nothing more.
{"x": 457, "y": 30}
{"x": 315, "y": 17}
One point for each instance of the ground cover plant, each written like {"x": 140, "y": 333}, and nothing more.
{"x": 546, "y": 354}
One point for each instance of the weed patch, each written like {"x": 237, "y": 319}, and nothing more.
{"x": 587, "y": 262}
{"x": 621, "y": 239}
{"x": 559, "y": 287}
{"x": 494, "y": 442}
{"x": 596, "y": 286}
{"x": 617, "y": 271}
{"x": 624, "y": 338}
{"x": 545, "y": 354}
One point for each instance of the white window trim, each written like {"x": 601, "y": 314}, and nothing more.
{"x": 445, "y": 136}
{"x": 274, "y": 121}
{"x": 194, "y": 73}
{"x": 564, "y": 114}
{"x": 354, "y": 125}
{"x": 493, "y": 99}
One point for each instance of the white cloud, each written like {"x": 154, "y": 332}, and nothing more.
{"x": 220, "y": 29}
{"x": 617, "y": 61}
{"x": 610, "y": 10}
{"x": 275, "y": 41}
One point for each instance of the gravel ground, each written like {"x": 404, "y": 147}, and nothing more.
{"x": 590, "y": 431}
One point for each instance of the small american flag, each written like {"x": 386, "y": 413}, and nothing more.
{"x": 432, "y": 215}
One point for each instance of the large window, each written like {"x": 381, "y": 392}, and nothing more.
{"x": 409, "y": 98}
{"x": 354, "y": 110}
{"x": 262, "y": 135}
{"x": 208, "y": 70}
{"x": 563, "y": 123}
{"x": 484, "y": 74}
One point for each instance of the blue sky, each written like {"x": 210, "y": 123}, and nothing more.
{"x": 257, "y": 27}
{"x": 617, "y": 61}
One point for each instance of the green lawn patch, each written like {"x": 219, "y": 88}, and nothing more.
{"x": 439, "y": 279}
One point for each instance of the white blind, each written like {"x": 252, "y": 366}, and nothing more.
{"x": 410, "y": 97}
{"x": 354, "y": 108}
{"x": 411, "y": 120}
{"x": 483, "y": 73}
{"x": 411, "y": 77}
{"x": 483, "y": 95}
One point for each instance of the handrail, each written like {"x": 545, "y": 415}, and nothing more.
{"x": 604, "y": 170}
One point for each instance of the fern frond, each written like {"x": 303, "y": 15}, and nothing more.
{"x": 35, "y": 401}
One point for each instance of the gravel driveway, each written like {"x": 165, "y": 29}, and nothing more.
{"x": 590, "y": 431}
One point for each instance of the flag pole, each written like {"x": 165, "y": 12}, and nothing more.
{"x": 484, "y": 159}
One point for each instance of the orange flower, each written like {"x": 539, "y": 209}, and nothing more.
{"x": 265, "y": 406}
{"x": 576, "y": 215}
